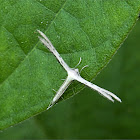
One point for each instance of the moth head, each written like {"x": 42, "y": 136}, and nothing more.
{"x": 77, "y": 71}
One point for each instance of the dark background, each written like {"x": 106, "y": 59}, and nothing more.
{"x": 88, "y": 115}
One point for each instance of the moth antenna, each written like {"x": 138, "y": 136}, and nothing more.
{"x": 83, "y": 68}
{"x": 78, "y": 63}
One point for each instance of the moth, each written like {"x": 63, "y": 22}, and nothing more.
{"x": 73, "y": 74}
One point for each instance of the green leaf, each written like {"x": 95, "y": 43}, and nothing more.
{"x": 96, "y": 118}
{"x": 89, "y": 29}
{"x": 87, "y": 116}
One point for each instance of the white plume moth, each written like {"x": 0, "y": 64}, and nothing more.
{"x": 73, "y": 74}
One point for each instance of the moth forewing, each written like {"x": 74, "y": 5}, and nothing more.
{"x": 100, "y": 90}
{"x": 49, "y": 45}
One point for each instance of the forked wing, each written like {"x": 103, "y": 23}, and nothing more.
{"x": 100, "y": 90}
{"x": 49, "y": 45}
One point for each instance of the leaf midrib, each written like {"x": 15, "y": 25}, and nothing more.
{"x": 63, "y": 5}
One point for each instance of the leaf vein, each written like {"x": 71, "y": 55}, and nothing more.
{"x": 26, "y": 57}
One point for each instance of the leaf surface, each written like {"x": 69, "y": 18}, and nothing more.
{"x": 89, "y": 29}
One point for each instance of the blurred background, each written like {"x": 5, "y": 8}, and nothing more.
{"x": 88, "y": 115}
